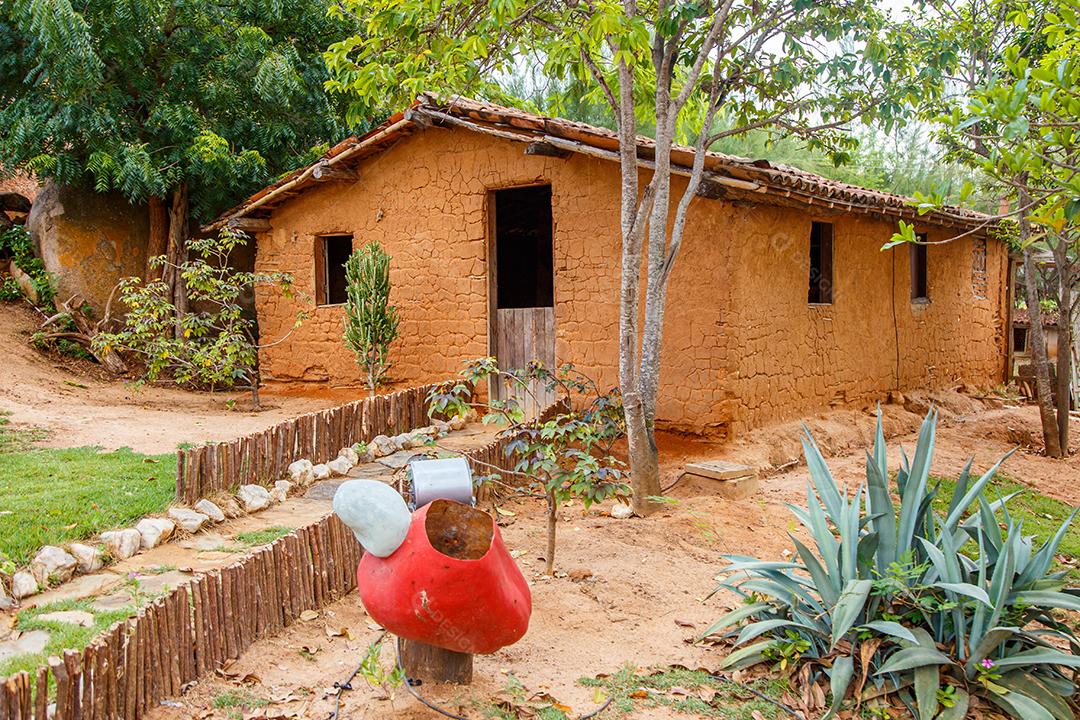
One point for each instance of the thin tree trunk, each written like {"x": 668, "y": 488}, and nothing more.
{"x": 176, "y": 254}
{"x": 1065, "y": 341}
{"x": 159, "y": 236}
{"x": 644, "y": 466}
{"x": 552, "y": 521}
{"x": 1051, "y": 440}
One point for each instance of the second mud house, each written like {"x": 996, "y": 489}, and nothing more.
{"x": 503, "y": 227}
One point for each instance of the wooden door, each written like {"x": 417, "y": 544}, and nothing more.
{"x": 521, "y": 288}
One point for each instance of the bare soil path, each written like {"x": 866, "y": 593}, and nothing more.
{"x": 632, "y": 590}
{"x": 78, "y": 405}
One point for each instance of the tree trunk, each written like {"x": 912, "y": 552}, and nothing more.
{"x": 1051, "y": 440}
{"x": 159, "y": 236}
{"x": 1065, "y": 341}
{"x": 176, "y": 253}
{"x": 552, "y": 521}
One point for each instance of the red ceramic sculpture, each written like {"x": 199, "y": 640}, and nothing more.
{"x": 451, "y": 583}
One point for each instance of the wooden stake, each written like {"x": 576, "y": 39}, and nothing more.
{"x": 434, "y": 664}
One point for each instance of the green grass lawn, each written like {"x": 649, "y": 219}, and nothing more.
{"x": 50, "y": 496}
{"x": 1042, "y": 515}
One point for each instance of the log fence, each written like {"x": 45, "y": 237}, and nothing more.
{"x": 263, "y": 457}
{"x": 191, "y": 631}
{"x": 196, "y": 628}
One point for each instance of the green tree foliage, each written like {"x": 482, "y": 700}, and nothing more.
{"x": 371, "y": 322}
{"x": 565, "y": 456}
{"x": 141, "y": 96}
{"x": 210, "y": 345}
{"x": 1012, "y": 113}
{"x": 677, "y": 67}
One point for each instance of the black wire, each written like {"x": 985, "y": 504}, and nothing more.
{"x": 447, "y": 713}
{"x": 766, "y": 698}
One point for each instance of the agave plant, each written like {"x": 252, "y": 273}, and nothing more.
{"x": 889, "y": 606}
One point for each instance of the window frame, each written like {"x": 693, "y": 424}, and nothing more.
{"x": 322, "y": 269}
{"x": 919, "y": 264}
{"x": 826, "y": 263}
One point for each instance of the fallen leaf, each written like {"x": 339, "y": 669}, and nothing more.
{"x": 339, "y": 632}
{"x": 309, "y": 615}
{"x": 684, "y": 623}
{"x": 639, "y": 694}
{"x": 506, "y": 513}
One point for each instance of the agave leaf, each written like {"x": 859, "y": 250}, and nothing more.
{"x": 959, "y": 504}
{"x": 879, "y": 500}
{"x": 1022, "y": 682}
{"x": 753, "y": 630}
{"x": 839, "y": 679}
{"x": 957, "y": 500}
{"x": 1000, "y": 587}
{"x": 986, "y": 645}
{"x": 1020, "y": 706}
{"x": 749, "y": 655}
{"x": 849, "y": 607}
{"x": 1046, "y": 599}
{"x": 752, "y": 565}
{"x": 1039, "y": 656}
{"x": 913, "y": 657}
{"x": 825, "y": 584}
{"x": 915, "y": 487}
{"x": 887, "y": 627}
{"x": 966, "y": 589}
{"x": 927, "y": 682}
{"x": 827, "y": 546}
{"x": 821, "y": 475}
{"x": 1042, "y": 560}
{"x": 849, "y": 536}
{"x": 737, "y": 615}
{"x": 801, "y": 514}
{"x": 783, "y": 589}
{"x": 959, "y": 710}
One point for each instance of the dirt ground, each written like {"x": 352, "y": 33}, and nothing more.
{"x": 78, "y": 405}
{"x": 633, "y": 589}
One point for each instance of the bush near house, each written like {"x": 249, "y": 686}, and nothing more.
{"x": 930, "y": 608}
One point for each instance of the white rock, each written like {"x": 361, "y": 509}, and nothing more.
{"x": 23, "y": 585}
{"x": 471, "y": 415}
{"x": 302, "y": 472}
{"x": 154, "y": 531}
{"x": 53, "y": 564}
{"x": 349, "y": 454}
{"x": 368, "y": 455}
{"x": 457, "y": 422}
{"x": 210, "y": 510}
{"x": 90, "y": 559}
{"x": 122, "y": 544}
{"x": 441, "y": 427}
{"x": 253, "y": 497}
{"x": 402, "y": 441}
{"x": 6, "y": 603}
{"x": 382, "y": 445}
{"x": 188, "y": 520}
{"x": 281, "y": 491}
{"x": 429, "y": 430}
{"x": 321, "y": 471}
{"x": 621, "y": 511}
{"x": 339, "y": 466}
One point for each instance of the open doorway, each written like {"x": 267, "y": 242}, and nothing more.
{"x": 521, "y": 275}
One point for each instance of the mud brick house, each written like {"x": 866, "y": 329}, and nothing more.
{"x": 503, "y": 227}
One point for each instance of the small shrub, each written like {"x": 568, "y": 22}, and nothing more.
{"x": 371, "y": 322}
{"x": 565, "y": 456}
{"x": 888, "y": 602}
{"x": 15, "y": 243}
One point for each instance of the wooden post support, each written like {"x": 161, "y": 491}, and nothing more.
{"x": 434, "y": 664}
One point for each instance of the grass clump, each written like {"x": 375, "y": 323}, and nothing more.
{"x": 1042, "y": 516}
{"x": 265, "y": 536}
{"x": 231, "y": 699}
{"x": 62, "y": 636}
{"x": 692, "y": 692}
{"x": 55, "y": 496}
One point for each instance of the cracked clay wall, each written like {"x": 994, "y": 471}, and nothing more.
{"x": 730, "y": 360}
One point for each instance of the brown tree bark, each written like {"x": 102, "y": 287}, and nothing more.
{"x": 159, "y": 236}
{"x": 428, "y": 663}
{"x": 176, "y": 252}
{"x": 1065, "y": 273}
{"x": 1044, "y": 399}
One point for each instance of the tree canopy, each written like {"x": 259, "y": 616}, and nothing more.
{"x": 143, "y": 95}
